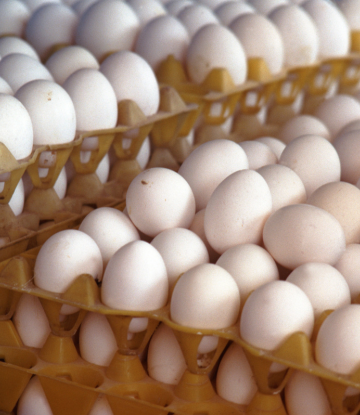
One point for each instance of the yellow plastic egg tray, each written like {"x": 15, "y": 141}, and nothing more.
{"x": 72, "y": 385}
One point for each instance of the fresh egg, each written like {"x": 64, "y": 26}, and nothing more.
{"x": 97, "y": 340}
{"x": 31, "y": 322}
{"x": 342, "y": 200}
{"x": 132, "y": 78}
{"x": 18, "y": 69}
{"x": 205, "y": 297}
{"x": 33, "y": 400}
{"x": 299, "y": 34}
{"x": 237, "y": 210}
{"x": 68, "y": 60}
{"x": 159, "y": 199}
{"x": 103, "y": 169}
{"x": 302, "y": 125}
{"x": 273, "y": 312}
{"x": 147, "y": 10}
{"x": 174, "y": 7}
{"x": 13, "y": 44}
{"x": 14, "y": 15}
{"x": 101, "y": 407}
{"x": 285, "y": 185}
{"x": 349, "y": 266}
{"x": 50, "y": 26}
{"x": 325, "y": 287}
{"x": 347, "y": 146}
{"x": 277, "y": 146}
{"x": 265, "y": 7}
{"x": 352, "y": 126}
{"x": 337, "y": 342}
{"x": 165, "y": 360}
{"x": 209, "y": 164}
{"x": 235, "y": 380}
{"x": 16, "y": 130}
{"x": 250, "y": 265}
{"x": 81, "y": 6}
{"x": 350, "y": 9}
{"x": 215, "y": 46}
{"x": 34, "y": 4}
{"x": 135, "y": 279}
{"x": 338, "y": 111}
{"x": 314, "y": 159}
{"x": 60, "y": 185}
{"x": 326, "y": 17}
{"x": 195, "y": 16}
{"x": 258, "y": 154}
{"x": 212, "y": 4}
{"x": 144, "y": 153}
{"x": 305, "y": 394}
{"x": 181, "y": 249}
{"x": 107, "y": 26}
{"x": 17, "y": 200}
{"x": 251, "y": 27}
{"x": 63, "y": 257}
{"x": 300, "y": 233}
{"x": 5, "y": 88}
{"x": 110, "y": 229}
{"x": 51, "y": 111}
{"x": 161, "y": 37}
{"x": 228, "y": 11}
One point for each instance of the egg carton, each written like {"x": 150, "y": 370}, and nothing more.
{"x": 194, "y": 394}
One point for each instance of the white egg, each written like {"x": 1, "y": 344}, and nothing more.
{"x": 301, "y": 125}
{"x": 81, "y": 6}
{"x": 101, "y": 406}
{"x": 147, "y": 10}
{"x": 276, "y": 145}
{"x": 5, "y": 88}
{"x": 265, "y": 7}
{"x": 103, "y": 169}
{"x": 33, "y": 400}
{"x": 14, "y": 15}
{"x": 195, "y": 16}
{"x": 174, "y": 7}
{"x": 350, "y": 9}
{"x": 144, "y": 153}
{"x": 258, "y": 154}
{"x": 349, "y": 266}
{"x": 230, "y": 10}
{"x": 34, "y": 4}
{"x": 17, "y": 200}
{"x": 12, "y": 44}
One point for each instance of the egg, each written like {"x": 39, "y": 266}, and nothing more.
{"x": 107, "y": 26}
{"x": 63, "y": 257}
{"x": 33, "y": 400}
{"x": 101, "y": 406}
{"x": 143, "y": 156}
{"x": 17, "y": 200}
{"x": 302, "y": 125}
{"x": 135, "y": 279}
{"x": 258, "y": 154}
{"x": 13, "y": 44}
{"x": 205, "y": 297}
{"x": 348, "y": 266}
{"x": 215, "y": 46}
{"x": 31, "y": 322}
{"x": 195, "y": 16}
{"x": 103, "y": 169}
{"x": 209, "y": 164}
{"x": 265, "y": 7}
{"x": 5, "y": 88}
{"x": 235, "y": 380}
{"x": 174, "y": 7}
{"x": 347, "y": 145}
{"x": 301, "y": 233}
{"x": 352, "y": 126}
{"x": 231, "y": 218}
{"x": 132, "y": 78}
{"x": 146, "y": 10}
{"x": 273, "y": 312}
{"x": 181, "y": 249}
{"x": 96, "y": 340}
{"x": 165, "y": 360}
{"x": 14, "y": 15}
{"x": 161, "y": 37}
{"x": 230, "y": 10}
{"x": 68, "y": 60}
{"x": 34, "y": 4}
{"x": 81, "y": 6}
{"x": 350, "y": 9}
{"x": 51, "y": 111}
{"x": 110, "y": 229}
{"x": 159, "y": 199}
{"x": 251, "y": 27}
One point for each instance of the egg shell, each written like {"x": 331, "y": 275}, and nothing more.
{"x": 299, "y": 34}
{"x": 31, "y": 322}
{"x": 349, "y": 266}
{"x": 5, "y": 88}
{"x": 212, "y": 4}
{"x": 18, "y": 69}
{"x": 250, "y": 265}
{"x": 249, "y": 29}
{"x": 258, "y": 154}
{"x": 347, "y": 146}
{"x": 107, "y": 26}
{"x": 17, "y": 200}
{"x": 96, "y": 340}
{"x": 159, "y": 199}
{"x": 237, "y": 210}
{"x": 314, "y": 159}
{"x": 135, "y": 279}
{"x": 209, "y": 164}
{"x": 110, "y": 228}
{"x": 215, "y": 46}
{"x": 33, "y": 400}
{"x": 304, "y": 393}
{"x": 13, "y": 44}
{"x": 352, "y": 126}
{"x": 51, "y": 111}
{"x": 336, "y": 346}
{"x": 181, "y": 249}
{"x": 34, "y": 4}
{"x": 301, "y": 233}
{"x": 265, "y": 7}
{"x": 350, "y": 9}
{"x": 63, "y": 257}
{"x": 50, "y": 25}
{"x": 101, "y": 406}
{"x": 205, "y": 297}
{"x": 132, "y": 78}
{"x": 14, "y": 15}
{"x": 81, "y": 6}
{"x": 146, "y": 10}
{"x": 195, "y": 16}
{"x": 165, "y": 361}
{"x": 230, "y": 10}
{"x": 143, "y": 156}
{"x": 103, "y": 169}
{"x": 273, "y": 312}
{"x": 16, "y": 129}
{"x": 161, "y": 37}
{"x": 235, "y": 380}
{"x": 302, "y": 124}
{"x": 68, "y": 60}
{"x": 324, "y": 285}
{"x": 174, "y": 7}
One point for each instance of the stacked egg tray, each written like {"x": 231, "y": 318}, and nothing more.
{"x": 44, "y": 213}
{"x": 72, "y": 385}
